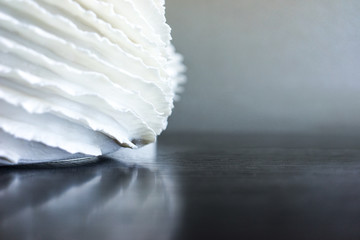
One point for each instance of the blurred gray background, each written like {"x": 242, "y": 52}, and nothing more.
{"x": 268, "y": 66}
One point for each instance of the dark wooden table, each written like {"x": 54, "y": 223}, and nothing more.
{"x": 200, "y": 186}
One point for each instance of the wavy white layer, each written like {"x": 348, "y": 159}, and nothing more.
{"x": 75, "y": 74}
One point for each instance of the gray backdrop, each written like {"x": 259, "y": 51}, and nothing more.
{"x": 283, "y": 66}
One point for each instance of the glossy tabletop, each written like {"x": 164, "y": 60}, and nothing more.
{"x": 197, "y": 186}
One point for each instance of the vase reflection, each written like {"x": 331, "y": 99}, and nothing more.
{"x": 107, "y": 200}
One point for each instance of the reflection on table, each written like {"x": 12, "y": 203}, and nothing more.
{"x": 106, "y": 200}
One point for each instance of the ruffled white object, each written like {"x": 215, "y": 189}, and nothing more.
{"x": 83, "y": 76}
